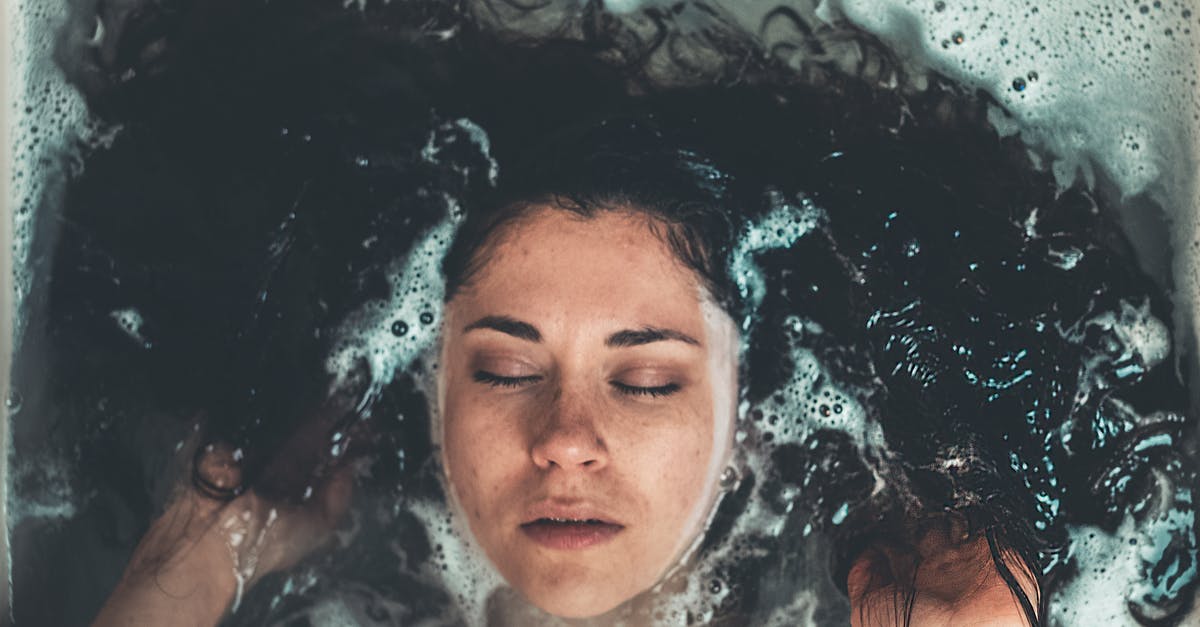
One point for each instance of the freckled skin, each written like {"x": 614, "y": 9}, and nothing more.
{"x": 644, "y": 462}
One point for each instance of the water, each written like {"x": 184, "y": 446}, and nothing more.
{"x": 241, "y": 226}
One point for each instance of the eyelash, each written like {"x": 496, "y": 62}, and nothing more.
{"x": 662, "y": 390}
{"x": 496, "y": 380}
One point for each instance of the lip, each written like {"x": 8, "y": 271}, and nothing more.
{"x": 569, "y": 527}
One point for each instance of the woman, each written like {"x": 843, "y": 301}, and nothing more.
{"x": 588, "y": 377}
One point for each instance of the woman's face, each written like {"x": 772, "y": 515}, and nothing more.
{"x": 588, "y": 391}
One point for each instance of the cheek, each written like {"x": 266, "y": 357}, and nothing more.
{"x": 680, "y": 467}
{"x": 481, "y": 447}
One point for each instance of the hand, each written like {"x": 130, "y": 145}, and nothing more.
{"x": 203, "y": 554}
{"x": 951, "y": 577}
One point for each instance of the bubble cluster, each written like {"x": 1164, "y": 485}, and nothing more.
{"x": 787, "y": 221}
{"x": 388, "y": 336}
{"x": 51, "y": 127}
{"x": 130, "y": 321}
{"x": 47, "y": 490}
{"x": 1127, "y": 343}
{"x": 812, "y": 401}
{"x": 458, "y": 563}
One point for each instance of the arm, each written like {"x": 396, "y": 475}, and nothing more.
{"x": 182, "y": 571}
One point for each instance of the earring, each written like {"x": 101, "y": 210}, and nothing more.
{"x": 730, "y": 477}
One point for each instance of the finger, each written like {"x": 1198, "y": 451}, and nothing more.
{"x": 336, "y": 494}
{"x": 305, "y": 459}
{"x": 218, "y": 469}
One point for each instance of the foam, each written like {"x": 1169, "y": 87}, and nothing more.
{"x": 813, "y": 396}
{"x": 130, "y": 321}
{"x": 389, "y": 335}
{"x": 1122, "y": 559}
{"x": 1134, "y": 341}
{"x": 54, "y": 496}
{"x": 787, "y": 221}
{"x": 810, "y": 401}
{"x": 459, "y": 564}
{"x": 1086, "y": 85}
{"x": 50, "y": 123}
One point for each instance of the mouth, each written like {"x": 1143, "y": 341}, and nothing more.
{"x": 570, "y": 530}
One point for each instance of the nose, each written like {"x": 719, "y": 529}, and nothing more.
{"x": 568, "y": 439}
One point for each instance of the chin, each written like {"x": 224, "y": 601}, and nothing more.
{"x": 575, "y": 597}
{"x": 577, "y": 606}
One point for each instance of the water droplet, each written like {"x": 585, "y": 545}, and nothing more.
{"x": 1018, "y": 84}
{"x": 426, "y": 317}
{"x": 399, "y": 328}
{"x": 13, "y": 402}
{"x": 958, "y": 37}
{"x": 840, "y": 515}
{"x": 715, "y": 586}
{"x": 825, "y": 410}
{"x": 1032, "y": 76}
{"x": 939, "y": 6}
{"x": 837, "y": 409}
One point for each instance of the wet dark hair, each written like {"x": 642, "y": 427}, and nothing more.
{"x": 623, "y": 163}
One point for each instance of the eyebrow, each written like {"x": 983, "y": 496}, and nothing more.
{"x": 508, "y": 325}
{"x": 646, "y": 335}
{"x": 621, "y": 339}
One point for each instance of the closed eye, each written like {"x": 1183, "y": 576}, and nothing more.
{"x": 496, "y": 380}
{"x": 633, "y": 390}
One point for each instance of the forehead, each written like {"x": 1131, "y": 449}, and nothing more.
{"x": 612, "y": 264}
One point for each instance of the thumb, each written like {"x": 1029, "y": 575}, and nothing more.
{"x": 333, "y": 498}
